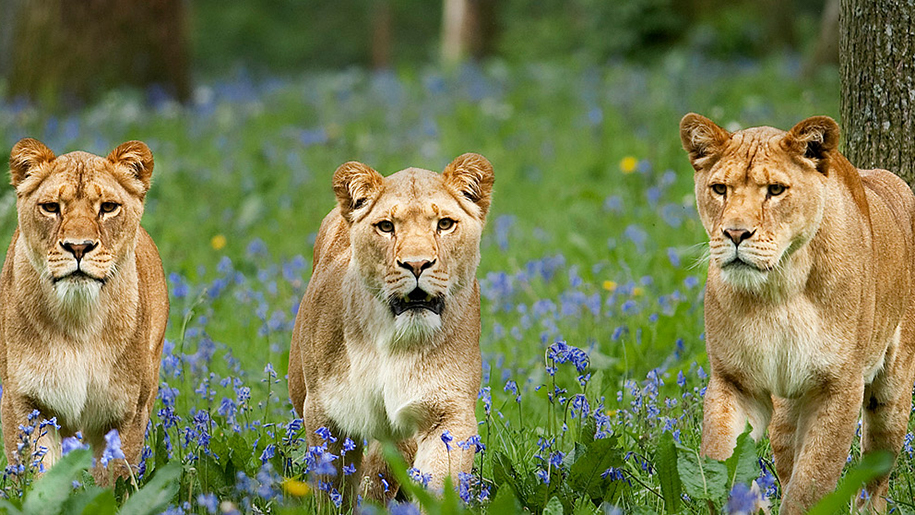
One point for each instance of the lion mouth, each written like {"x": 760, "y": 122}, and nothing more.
{"x": 738, "y": 263}
{"x": 417, "y": 299}
{"x": 78, "y": 275}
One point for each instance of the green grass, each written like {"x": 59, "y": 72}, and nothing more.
{"x": 575, "y": 249}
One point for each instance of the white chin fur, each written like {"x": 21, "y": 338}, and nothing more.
{"x": 77, "y": 296}
{"x": 744, "y": 277}
{"x": 416, "y": 325}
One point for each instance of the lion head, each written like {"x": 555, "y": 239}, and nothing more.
{"x": 79, "y": 213}
{"x": 415, "y": 235}
{"x": 760, "y": 192}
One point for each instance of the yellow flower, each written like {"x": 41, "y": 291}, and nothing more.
{"x": 637, "y": 291}
{"x": 218, "y": 242}
{"x": 296, "y": 488}
{"x": 609, "y": 285}
{"x": 628, "y": 164}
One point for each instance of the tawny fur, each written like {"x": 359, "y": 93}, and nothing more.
{"x": 361, "y": 371}
{"x": 83, "y": 348}
{"x": 815, "y": 326}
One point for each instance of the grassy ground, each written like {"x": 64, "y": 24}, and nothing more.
{"x": 592, "y": 240}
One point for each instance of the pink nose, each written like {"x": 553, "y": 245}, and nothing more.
{"x": 416, "y": 267}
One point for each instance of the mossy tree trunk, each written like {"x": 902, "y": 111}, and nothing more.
{"x": 877, "y": 63}
{"x": 77, "y": 49}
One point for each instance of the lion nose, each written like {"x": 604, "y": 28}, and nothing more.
{"x": 79, "y": 249}
{"x": 738, "y": 235}
{"x": 416, "y": 267}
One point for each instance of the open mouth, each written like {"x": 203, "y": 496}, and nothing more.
{"x": 78, "y": 275}
{"x": 417, "y": 299}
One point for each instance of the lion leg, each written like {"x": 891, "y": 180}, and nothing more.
{"x": 345, "y": 484}
{"x": 783, "y": 436}
{"x": 296, "y": 380}
{"x": 826, "y": 427}
{"x": 887, "y": 405}
{"x": 435, "y": 457}
{"x": 726, "y": 415}
{"x": 375, "y": 469}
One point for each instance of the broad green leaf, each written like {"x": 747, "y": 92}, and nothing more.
{"x": 399, "y": 468}
{"x": 156, "y": 495}
{"x": 504, "y": 503}
{"x": 871, "y": 466}
{"x": 743, "y": 465}
{"x": 702, "y": 478}
{"x": 8, "y": 508}
{"x": 554, "y": 507}
{"x": 451, "y": 502}
{"x": 666, "y": 466}
{"x": 101, "y": 501}
{"x": 49, "y": 493}
{"x": 585, "y": 473}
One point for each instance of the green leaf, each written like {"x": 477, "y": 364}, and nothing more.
{"x": 161, "y": 450}
{"x": 8, "y": 508}
{"x": 554, "y": 507}
{"x": 156, "y": 495}
{"x": 93, "y": 500}
{"x": 743, "y": 465}
{"x": 702, "y": 478}
{"x": 49, "y": 493}
{"x": 872, "y": 465}
{"x": 399, "y": 468}
{"x": 585, "y": 473}
{"x": 504, "y": 503}
{"x": 668, "y": 475}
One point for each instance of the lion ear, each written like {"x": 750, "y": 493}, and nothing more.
{"x": 472, "y": 176}
{"x": 355, "y": 185}
{"x": 27, "y": 154}
{"x": 702, "y": 139}
{"x": 814, "y": 138}
{"x": 137, "y": 157}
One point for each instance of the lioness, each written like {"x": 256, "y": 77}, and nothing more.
{"x": 809, "y": 304}
{"x": 386, "y": 341}
{"x": 85, "y": 301}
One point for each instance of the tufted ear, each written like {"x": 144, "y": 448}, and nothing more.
{"x": 702, "y": 139}
{"x": 472, "y": 176}
{"x": 355, "y": 185}
{"x": 138, "y": 159}
{"x": 27, "y": 154}
{"x": 814, "y": 138}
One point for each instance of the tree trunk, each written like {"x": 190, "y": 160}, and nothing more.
{"x": 468, "y": 29}
{"x": 827, "y": 48}
{"x": 381, "y": 34}
{"x": 877, "y": 64}
{"x": 78, "y": 49}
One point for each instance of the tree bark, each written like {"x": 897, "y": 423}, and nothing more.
{"x": 877, "y": 64}
{"x": 469, "y": 29}
{"x": 381, "y": 34}
{"x": 77, "y": 49}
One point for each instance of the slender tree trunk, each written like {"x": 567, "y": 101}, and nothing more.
{"x": 77, "y": 49}
{"x": 381, "y": 34}
{"x": 468, "y": 29}
{"x": 827, "y": 48}
{"x": 877, "y": 63}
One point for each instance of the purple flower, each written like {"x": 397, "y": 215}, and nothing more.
{"x": 208, "y": 501}
{"x": 325, "y": 433}
{"x": 112, "y": 447}
{"x": 446, "y": 439}
{"x": 71, "y": 444}
{"x": 742, "y": 500}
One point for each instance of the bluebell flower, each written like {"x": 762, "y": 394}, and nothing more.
{"x": 349, "y": 469}
{"x": 208, "y": 501}
{"x": 741, "y": 501}
{"x": 112, "y": 447}
{"x": 70, "y": 444}
{"x": 402, "y": 508}
{"x": 446, "y": 439}
{"x": 325, "y": 434}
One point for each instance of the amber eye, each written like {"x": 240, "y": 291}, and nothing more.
{"x": 108, "y": 207}
{"x": 719, "y": 189}
{"x": 776, "y": 189}
{"x": 385, "y": 226}
{"x": 445, "y": 223}
{"x": 50, "y": 207}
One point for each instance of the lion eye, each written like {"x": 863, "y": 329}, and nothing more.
{"x": 50, "y": 207}
{"x": 776, "y": 189}
{"x": 385, "y": 226}
{"x": 719, "y": 189}
{"x": 445, "y": 223}
{"x": 108, "y": 207}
